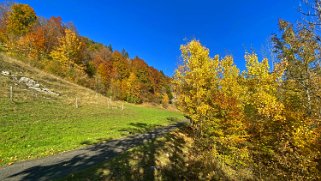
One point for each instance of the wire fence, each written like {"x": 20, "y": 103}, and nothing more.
{"x": 16, "y": 94}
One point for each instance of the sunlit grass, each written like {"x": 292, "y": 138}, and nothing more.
{"x": 36, "y": 125}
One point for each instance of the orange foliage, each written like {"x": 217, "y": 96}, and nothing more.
{"x": 33, "y": 44}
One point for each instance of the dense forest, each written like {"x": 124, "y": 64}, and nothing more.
{"x": 56, "y": 47}
{"x": 262, "y": 123}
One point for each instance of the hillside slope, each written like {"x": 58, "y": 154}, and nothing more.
{"x": 48, "y": 114}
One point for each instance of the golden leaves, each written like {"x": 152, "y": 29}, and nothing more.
{"x": 69, "y": 50}
{"x": 20, "y": 19}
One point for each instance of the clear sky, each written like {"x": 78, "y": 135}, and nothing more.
{"x": 155, "y": 29}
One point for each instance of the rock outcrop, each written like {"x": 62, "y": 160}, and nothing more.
{"x": 30, "y": 83}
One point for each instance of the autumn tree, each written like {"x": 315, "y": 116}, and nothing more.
{"x": 194, "y": 81}
{"x": 41, "y": 39}
{"x": 69, "y": 55}
{"x": 33, "y": 43}
{"x": 104, "y": 76}
{"x": 53, "y": 31}
{"x": 20, "y": 19}
{"x": 121, "y": 69}
{"x": 300, "y": 94}
{"x": 144, "y": 75}
{"x": 4, "y": 12}
{"x": 157, "y": 80}
{"x": 209, "y": 92}
{"x": 302, "y": 51}
{"x": 263, "y": 109}
{"x": 140, "y": 68}
{"x": 228, "y": 101}
{"x": 69, "y": 50}
{"x": 132, "y": 90}
{"x": 165, "y": 101}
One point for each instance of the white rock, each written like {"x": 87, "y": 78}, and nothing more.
{"x": 30, "y": 83}
{"x": 23, "y": 79}
{"x": 35, "y": 88}
{"x": 5, "y": 73}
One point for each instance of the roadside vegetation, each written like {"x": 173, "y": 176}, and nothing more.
{"x": 262, "y": 123}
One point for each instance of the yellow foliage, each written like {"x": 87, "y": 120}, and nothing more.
{"x": 70, "y": 49}
{"x": 208, "y": 90}
{"x": 131, "y": 89}
{"x": 165, "y": 101}
{"x": 194, "y": 81}
{"x": 20, "y": 19}
{"x": 263, "y": 88}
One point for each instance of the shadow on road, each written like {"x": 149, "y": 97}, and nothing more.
{"x": 165, "y": 158}
{"x": 63, "y": 164}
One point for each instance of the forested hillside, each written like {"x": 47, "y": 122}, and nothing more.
{"x": 56, "y": 47}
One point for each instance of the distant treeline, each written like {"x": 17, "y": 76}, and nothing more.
{"x": 56, "y": 47}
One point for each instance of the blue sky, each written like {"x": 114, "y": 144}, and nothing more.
{"x": 155, "y": 29}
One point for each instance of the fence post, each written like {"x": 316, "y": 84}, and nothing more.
{"x": 76, "y": 102}
{"x": 122, "y": 106}
{"x": 11, "y": 94}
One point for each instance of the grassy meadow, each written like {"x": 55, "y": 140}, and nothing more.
{"x": 37, "y": 125}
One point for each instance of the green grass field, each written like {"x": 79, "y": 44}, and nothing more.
{"x": 36, "y": 125}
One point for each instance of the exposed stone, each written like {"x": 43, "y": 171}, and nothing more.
{"x": 35, "y": 86}
{"x": 5, "y": 73}
{"x": 30, "y": 83}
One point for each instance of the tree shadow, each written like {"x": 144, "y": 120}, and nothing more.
{"x": 66, "y": 163}
{"x": 94, "y": 142}
{"x": 163, "y": 158}
{"x": 138, "y": 128}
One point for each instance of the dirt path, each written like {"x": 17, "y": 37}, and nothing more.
{"x": 60, "y": 165}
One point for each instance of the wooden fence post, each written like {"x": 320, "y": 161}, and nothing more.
{"x": 11, "y": 94}
{"x": 76, "y": 102}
